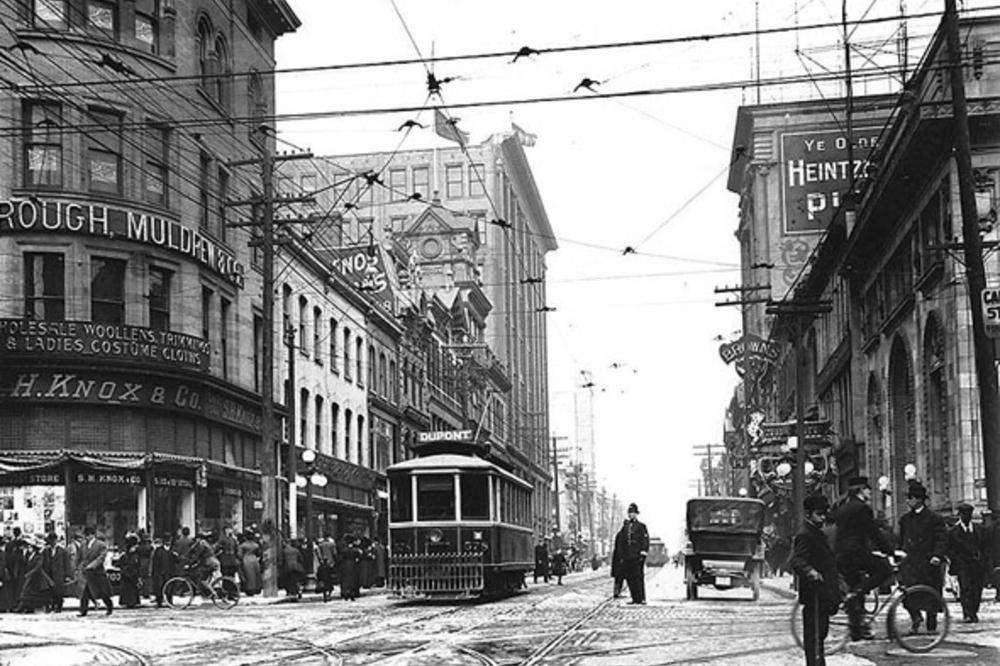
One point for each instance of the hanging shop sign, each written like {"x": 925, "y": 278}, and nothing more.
{"x": 129, "y": 390}
{"x": 87, "y": 340}
{"x": 365, "y": 267}
{"x": 753, "y": 348}
{"x": 112, "y": 477}
{"x": 51, "y": 477}
{"x": 815, "y": 173}
{"x": 991, "y": 311}
{"x": 35, "y": 215}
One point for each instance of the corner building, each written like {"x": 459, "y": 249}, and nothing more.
{"x": 129, "y": 309}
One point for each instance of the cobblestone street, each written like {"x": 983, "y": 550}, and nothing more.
{"x": 575, "y": 623}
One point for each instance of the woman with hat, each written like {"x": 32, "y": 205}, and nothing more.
{"x": 815, "y": 567}
{"x": 924, "y": 538}
{"x": 37, "y": 590}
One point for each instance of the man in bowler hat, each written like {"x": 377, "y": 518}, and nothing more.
{"x": 968, "y": 561}
{"x": 632, "y": 546}
{"x": 924, "y": 538}
{"x": 857, "y": 536}
{"x": 815, "y": 566}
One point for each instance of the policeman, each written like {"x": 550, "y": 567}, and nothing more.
{"x": 815, "y": 566}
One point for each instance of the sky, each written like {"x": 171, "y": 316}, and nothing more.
{"x": 646, "y": 172}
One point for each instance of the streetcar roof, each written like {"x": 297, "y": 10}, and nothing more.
{"x": 452, "y": 461}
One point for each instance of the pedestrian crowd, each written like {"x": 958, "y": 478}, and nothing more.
{"x": 38, "y": 573}
{"x": 838, "y": 557}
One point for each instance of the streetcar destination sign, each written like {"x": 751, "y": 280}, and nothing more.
{"x": 445, "y": 436}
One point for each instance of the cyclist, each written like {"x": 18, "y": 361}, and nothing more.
{"x": 857, "y": 533}
{"x": 202, "y": 565}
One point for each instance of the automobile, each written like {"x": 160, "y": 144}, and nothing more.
{"x": 724, "y": 548}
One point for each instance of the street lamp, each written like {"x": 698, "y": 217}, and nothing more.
{"x": 309, "y": 479}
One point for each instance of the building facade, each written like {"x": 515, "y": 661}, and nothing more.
{"x": 130, "y": 371}
{"x": 889, "y": 375}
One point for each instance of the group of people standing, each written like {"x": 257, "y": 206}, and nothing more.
{"x": 35, "y": 573}
{"x": 358, "y": 562}
{"x": 852, "y": 555}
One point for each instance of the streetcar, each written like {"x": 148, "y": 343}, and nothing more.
{"x": 658, "y": 555}
{"x": 459, "y": 527}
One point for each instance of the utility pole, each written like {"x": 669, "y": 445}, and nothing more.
{"x": 986, "y": 372}
{"x": 555, "y": 476}
{"x": 799, "y": 313}
{"x": 271, "y": 524}
{"x": 710, "y": 487}
{"x": 292, "y": 460}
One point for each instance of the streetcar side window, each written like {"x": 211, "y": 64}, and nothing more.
{"x": 400, "y": 500}
{"x": 435, "y": 497}
{"x": 475, "y": 497}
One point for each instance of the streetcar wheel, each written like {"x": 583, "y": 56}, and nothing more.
{"x": 225, "y": 593}
{"x": 927, "y": 601}
{"x": 178, "y": 592}
{"x": 837, "y": 637}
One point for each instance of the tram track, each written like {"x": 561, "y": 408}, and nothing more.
{"x": 131, "y": 657}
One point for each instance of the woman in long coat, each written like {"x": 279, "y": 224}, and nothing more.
{"x": 249, "y": 551}
{"x": 128, "y": 564}
{"x": 37, "y": 589}
{"x": 347, "y": 561}
{"x": 292, "y": 571}
{"x": 367, "y": 563}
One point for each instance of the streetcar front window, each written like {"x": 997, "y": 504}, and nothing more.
{"x": 475, "y": 497}
{"x": 435, "y": 497}
{"x": 400, "y": 500}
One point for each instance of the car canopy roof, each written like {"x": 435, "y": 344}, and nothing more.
{"x": 736, "y": 515}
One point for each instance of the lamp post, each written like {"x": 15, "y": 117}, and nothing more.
{"x": 310, "y": 478}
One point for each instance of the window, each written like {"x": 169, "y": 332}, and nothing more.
{"x": 371, "y": 368}
{"x": 318, "y": 416}
{"x": 258, "y": 351}
{"x": 147, "y": 14}
{"x": 44, "y": 286}
{"x": 308, "y": 182}
{"x": 207, "y": 64}
{"x": 397, "y": 184}
{"x": 382, "y": 388}
{"x": 156, "y": 155}
{"x": 453, "y": 181}
{"x": 332, "y": 337}
{"x": 347, "y": 353}
{"x": 51, "y": 14}
{"x": 303, "y": 418}
{"x": 159, "y": 298}
{"x": 317, "y": 330}
{"x": 220, "y": 85}
{"x": 303, "y": 308}
{"x": 102, "y": 18}
{"x": 359, "y": 353}
{"x": 206, "y": 314}
{"x": 104, "y": 151}
{"x": 286, "y": 313}
{"x": 422, "y": 182}
{"x": 477, "y": 180}
{"x": 435, "y": 497}
{"x": 392, "y": 381}
{"x": 334, "y": 415}
{"x": 204, "y": 191}
{"x": 361, "y": 435}
{"x": 42, "y": 144}
{"x": 475, "y": 497}
{"x": 401, "y": 499}
{"x": 224, "y": 311}
{"x": 256, "y": 107}
{"x": 348, "y": 455}
{"x": 107, "y": 290}
{"x": 223, "y": 190}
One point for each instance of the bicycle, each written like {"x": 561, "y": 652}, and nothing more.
{"x": 180, "y": 591}
{"x": 898, "y": 625}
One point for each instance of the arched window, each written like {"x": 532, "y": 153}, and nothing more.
{"x": 256, "y": 107}
{"x": 207, "y": 64}
{"x": 224, "y": 74}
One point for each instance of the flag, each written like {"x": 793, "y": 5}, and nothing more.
{"x": 447, "y": 128}
{"x": 527, "y": 139}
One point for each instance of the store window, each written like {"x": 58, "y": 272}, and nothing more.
{"x": 44, "y": 286}
{"x": 42, "y": 144}
{"x": 112, "y": 508}
{"x": 156, "y": 158}
{"x": 51, "y": 14}
{"x": 159, "y": 298}
{"x": 453, "y": 181}
{"x": 104, "y": 151}
{"x": 107, "y": 290}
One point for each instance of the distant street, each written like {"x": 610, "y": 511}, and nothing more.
{"x": 576, "y": 623}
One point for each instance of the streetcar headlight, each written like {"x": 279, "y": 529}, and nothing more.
{"x": 478, "y": 536}
{"x": 435, "y": 535}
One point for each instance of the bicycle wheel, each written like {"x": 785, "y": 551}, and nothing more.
{"x": 225, "y": 593}
{"x": 927, "y": 602}
{"x": 178, "y": 592}
{"x": 837, "y": 636}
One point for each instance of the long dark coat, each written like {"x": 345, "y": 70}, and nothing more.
{"x": 37, "y": 588}
{"x": 967, "y": 550}
{"x": 350, "y": 574}
{"x": 634, "y": 540}
{"x": 381, "y": 563}
{"x": 57, "y": 563}
{"x": 857, "y": 532}
{"x": 162, "y": 563}
{"x": 250, "y": 566}
{"x": 811, "y": 552}
{"x": 16, "y": 562}
{"x": 617, "y": 563}
{"x": 922, "y": 535}
{"x": 131, "y": 572}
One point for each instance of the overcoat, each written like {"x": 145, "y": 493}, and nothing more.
{"x": 966, "y": 549}
{"x": 811, "y": 552}
{"x": 922, "y": 535}
{"x": 95, "y": 576}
